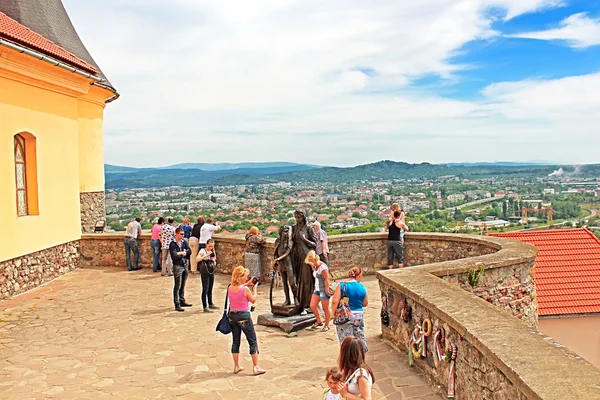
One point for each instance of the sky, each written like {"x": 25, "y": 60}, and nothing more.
{"x": 347, "y": 82}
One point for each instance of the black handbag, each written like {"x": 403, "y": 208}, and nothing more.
{"x": 224, "y": 326}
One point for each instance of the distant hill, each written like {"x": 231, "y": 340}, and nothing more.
{"x": 500, "y": 164}
{"x": 379, "y": 171}
{"x": 126, "y": 177}
{"x": 240, "y": 166}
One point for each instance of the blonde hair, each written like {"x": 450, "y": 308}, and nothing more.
{"x": 238, "y": 275}
{"x": 394, "y": 207}
{"x": 311, "y": 257}
{"x": 254, "y": 230}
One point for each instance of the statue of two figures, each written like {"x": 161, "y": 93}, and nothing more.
{"x": 290, "y": 253}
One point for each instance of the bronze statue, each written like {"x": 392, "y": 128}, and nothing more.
{"x": 283, "y": 265}
{"x": 303, "y": 241}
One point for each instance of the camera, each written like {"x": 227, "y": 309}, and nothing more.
{"x": 255, "y": 280}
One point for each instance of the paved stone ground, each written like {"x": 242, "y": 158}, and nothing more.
{"x": 112, "y": 333}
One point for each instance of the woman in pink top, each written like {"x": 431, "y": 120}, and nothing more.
{"x": 155, "y": 243}
{"x": 239, "y": 294}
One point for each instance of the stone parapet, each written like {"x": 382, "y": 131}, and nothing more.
{"x": 499, "y": 356}
{"x": 92, "y": 210}
{"x": 108, "y": 250}
{"x": 27, "y": 272}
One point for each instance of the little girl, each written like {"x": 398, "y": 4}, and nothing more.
{"x": 333, "y": 378}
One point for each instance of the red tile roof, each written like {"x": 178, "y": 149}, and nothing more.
{"x": 20, "y": 34}
{"x": 566, "y": 270}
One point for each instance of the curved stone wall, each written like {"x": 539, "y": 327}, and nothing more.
{"x": 499, "y": 356}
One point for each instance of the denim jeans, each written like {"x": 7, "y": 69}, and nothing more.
{"x": 155, "y": 244}
{"x": 180, "y": 275}
{"x": 132, "y": 245}
{"x": 241, "y": 321}
{"x": 208, "y": 281}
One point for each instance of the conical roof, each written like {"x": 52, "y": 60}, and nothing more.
{"x": 50, "y": 19}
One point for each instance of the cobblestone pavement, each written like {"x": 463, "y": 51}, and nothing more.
{"x": 112, "y": 333}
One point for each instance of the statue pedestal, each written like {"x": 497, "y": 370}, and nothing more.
{"x": 284, "y": 311}
{"x": 287, "y": 324}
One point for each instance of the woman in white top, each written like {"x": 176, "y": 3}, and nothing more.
{"x": 321, "y": 292}
{"x": 358, "y": 376}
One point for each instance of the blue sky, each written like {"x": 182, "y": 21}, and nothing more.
{"x": 347, "y": 82}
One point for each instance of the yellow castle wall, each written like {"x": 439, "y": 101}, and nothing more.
{"x": 64, "y": 114}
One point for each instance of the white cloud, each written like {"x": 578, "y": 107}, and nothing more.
{"x": 303, "y": 80}
{"x": 578, "y": 30}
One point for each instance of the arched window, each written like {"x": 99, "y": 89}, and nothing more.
{"x": 20, "y": 170}
{"x": 26, "y": 174}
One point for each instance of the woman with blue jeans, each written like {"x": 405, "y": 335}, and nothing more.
{"x": 155, "y": 244}
{"x": 239, "y": 296}
{"x": 207, "y": 259}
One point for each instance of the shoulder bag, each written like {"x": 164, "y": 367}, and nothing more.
{"x": 342, "y": 313}
{"x": 224, "y": 326}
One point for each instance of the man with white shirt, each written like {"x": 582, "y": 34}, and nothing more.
{"x": 132, "y": 233}
{"x": 207, "y": 231}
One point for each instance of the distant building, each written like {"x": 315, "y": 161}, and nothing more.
{"x": 453, "y": 198}
{"x": 549, "y": 191}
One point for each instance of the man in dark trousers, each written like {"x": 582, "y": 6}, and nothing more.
{"x": 180, "y": 254}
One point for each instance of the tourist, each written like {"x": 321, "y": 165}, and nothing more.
{"x": 322, "y": 249}
{"x": 207, "y": 259}
{"x": 195, "y": 245}
{"x": 394, "y": 245}
{"x": 187, "y": 229}
{"x": 207, "y": 230}
{"x": 358, "y": 376}
{"x": 155, "y": 244}
{"x": 393, "y": 208}
{"x": 132, "y": 233}
{"x": 254, "y": 241}
{"x": 239, "y": 295}
{"x": 321, "y": 291}
{"x": 180, "y": 253}
{"x": 333, "y": 377}
{"x": 356, "y": 293}
{"x": 167, "y": 235}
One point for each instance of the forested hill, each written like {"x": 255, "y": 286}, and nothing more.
{"x": 379, "y": 171}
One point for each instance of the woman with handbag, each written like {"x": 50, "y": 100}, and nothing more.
{"x": 207, "y": 259}
{"x": 239, "y": 295}
{"x": 354, "y": 294}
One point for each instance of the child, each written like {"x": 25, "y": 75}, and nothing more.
{"x": 333, "y": 378}
{"x": 396, "y": 207}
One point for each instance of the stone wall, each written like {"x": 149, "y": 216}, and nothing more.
{"x": 511, "y": 287}
{"x": 107, "y": 250}
{"x": 476, "y": 376}
{"x": 499, "y": 356}
{"x": 92, "y": 210}
{"x": 27, "y": 272}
